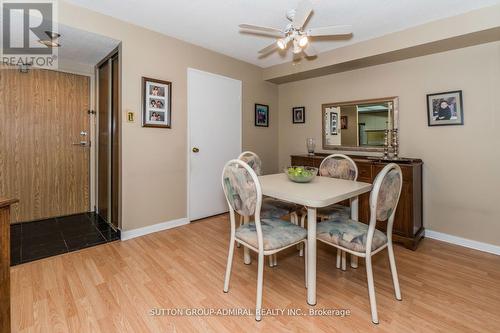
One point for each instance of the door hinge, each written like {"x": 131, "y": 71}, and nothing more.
{"x": 91, "y": 112}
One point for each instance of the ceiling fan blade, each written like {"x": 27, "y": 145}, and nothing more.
{"x": 269, "y": 48}
{"x": 302, "y": 13}
{"x": 258, "y": 28}
{"x": 309, "y": 50}
{"x": 330, "y": 31}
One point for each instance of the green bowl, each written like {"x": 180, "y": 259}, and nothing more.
{"x": 301, "y": 174}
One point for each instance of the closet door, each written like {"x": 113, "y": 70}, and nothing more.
{"x": 104, "y": 141}
{"x": 108, "y": 155}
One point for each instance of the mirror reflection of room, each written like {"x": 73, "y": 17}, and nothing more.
{"x": 358, "y": 125}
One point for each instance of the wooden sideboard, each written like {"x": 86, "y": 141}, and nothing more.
{"x": 5, "y": 263}
{"x": 408, "y": 226}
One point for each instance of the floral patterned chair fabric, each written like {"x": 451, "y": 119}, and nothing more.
{"x": 276, "y": 233}
{"x": 349, "y": 234}
{"x": 240, "y": 190}
{"x": 271, "y": 208}
{"x": 266, "y": 237}
{"x": 335, "y": 211}
{"x": 253, "y": 160}
{"x": 274, "y": 208}
{"x": 366, "y": 240}
{"x": 388, "y": 194}
{"x": 341, "y": 167}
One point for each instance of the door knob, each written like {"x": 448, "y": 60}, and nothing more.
{"x": 196, "y": 150}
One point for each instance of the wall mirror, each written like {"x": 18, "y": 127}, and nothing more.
{"x": 359, "y": 125}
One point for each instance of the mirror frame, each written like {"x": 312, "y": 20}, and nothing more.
{"x": 395, "y": 103}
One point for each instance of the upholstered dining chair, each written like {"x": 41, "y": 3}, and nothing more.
{"x": 364, "y": 240}
{"x": 264, "y": 236}
{"x": 271, "y": 208}
{"x": 342, "y": 167}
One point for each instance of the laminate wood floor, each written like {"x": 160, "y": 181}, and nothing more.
{"x": 113, "y": 288}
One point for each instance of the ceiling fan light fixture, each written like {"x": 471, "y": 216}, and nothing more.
{"x": 303, "y": 40}
{"x": 49, "y": 42}
{"x": 281, "y": 43}
{"x": 52, "y": 34}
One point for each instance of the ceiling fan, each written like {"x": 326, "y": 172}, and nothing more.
{"x": 294, "y": 33}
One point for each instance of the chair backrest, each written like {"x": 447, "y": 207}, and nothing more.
{"x": 384, "y": 199}
{"x": 243, "y": 194}
{"x": 253, "y": 160}
{"x": 339, "y": 166}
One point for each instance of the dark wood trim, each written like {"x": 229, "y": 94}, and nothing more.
{"x": 168, "y": 99}
{"x": 5, "y": 263}
{"x": 116, "y": 51}
{"x": 7, "y": 202}
{"x": 255, "y": 115}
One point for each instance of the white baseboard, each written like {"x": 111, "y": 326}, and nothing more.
{"x": 485, "y": 247}
{"x": 129, "y": 234}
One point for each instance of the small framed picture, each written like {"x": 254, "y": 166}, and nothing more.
{"x": 444, "y": 109}
{"x": 334, "y": 116}
{"x": 299, "y": 115}
{"x": 343, "y": 122}
{"x": 157, "y": 103}
{"x": 261, "y": 115}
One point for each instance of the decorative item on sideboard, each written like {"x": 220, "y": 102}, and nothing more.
{"x": 311, "y": 145}
{"x": 395, "y": 144}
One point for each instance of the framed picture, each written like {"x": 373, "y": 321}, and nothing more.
{"x": 157, "y": 103}
{"x": 299, "y": 115}
{"x": 444, "y": 109}
{"x": 261, "y": 115}
{"x": 343, "y": 122}
{"x": 334, "y": 123}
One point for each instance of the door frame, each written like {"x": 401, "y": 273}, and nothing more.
{"x": 188, "y": 175}
{"x": 116, "y": 51}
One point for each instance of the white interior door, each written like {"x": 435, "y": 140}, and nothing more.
{"x": 214, "y": 108}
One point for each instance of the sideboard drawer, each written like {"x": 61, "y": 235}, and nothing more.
{"x": 364, "y": 172}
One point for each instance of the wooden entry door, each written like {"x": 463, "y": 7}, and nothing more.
{"x": 43, "y": 120}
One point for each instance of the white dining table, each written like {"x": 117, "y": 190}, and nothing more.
{"x": 320, "y": 192}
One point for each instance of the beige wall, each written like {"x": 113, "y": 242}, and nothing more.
{"x": 349, "y": 135}
{"x": 148, "y": 200}
{"x": 461, "y": 163}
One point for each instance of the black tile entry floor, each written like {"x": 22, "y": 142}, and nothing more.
{"x": 41, "y": 239}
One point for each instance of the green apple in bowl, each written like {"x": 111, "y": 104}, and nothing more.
{"x": 301, "y": 174}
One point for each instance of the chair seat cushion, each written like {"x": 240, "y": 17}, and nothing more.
{"x": 275, "y": 233}
{"x": 349, "y": 234}
{"x": 275, "y": 209}
{"x": 334, "y": 212}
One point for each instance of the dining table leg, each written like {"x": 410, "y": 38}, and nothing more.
{"x": 247, "y": 259}
{"x": 354, "y": 216}
{"x": 311, "y": 256}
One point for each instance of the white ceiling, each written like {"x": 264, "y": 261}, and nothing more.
{"x": 214, "y": 24}
{"x": 82, "y": 46}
